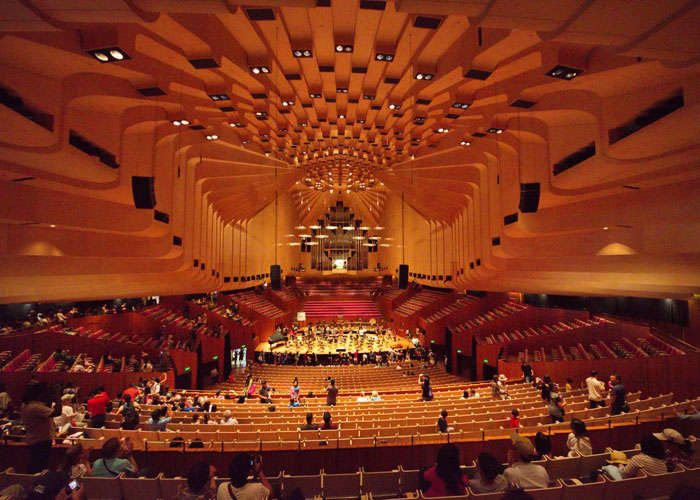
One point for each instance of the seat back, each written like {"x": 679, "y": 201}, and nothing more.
{"x": 102, "y": 488}
{"x": 309, "y": 485}
{"x": 169, "y": 486}
{"x": 585, "y": 491}
{"x": 563, "y": 467}
{"x": 26, "y": 480}
{"x": 409, "y": 480}
{"x": 140, "y": 487}
{"x": 626, "y": 488}
{"x": 381, "y": 484}
{"x": 341, "y": 485}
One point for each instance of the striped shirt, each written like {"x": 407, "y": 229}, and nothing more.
{"x": 644, "y": 462}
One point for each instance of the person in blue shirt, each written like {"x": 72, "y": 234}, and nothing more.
{"x": 293, "y": 403}
{"x": 158, "y": 419}
{"x": 115, "y": 459}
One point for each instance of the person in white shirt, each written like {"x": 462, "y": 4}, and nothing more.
{"x": 596, "y": 390}
{"x": 522, "y": 473}
{"x": 578, "y": 441}
{"x": 64, "y": 420}
{"x": 228, "y": 419}
{"x": 238, "y": 488}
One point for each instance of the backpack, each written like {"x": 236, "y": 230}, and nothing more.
{"x": 130, "y": 415}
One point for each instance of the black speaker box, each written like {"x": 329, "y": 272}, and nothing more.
{"x": 276, "y": 277}
{"x": 144, "y": 192}
{"x": 403, "y": 276}
{"x": 529, "y": 197}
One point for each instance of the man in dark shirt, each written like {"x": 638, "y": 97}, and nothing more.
{"x": 442, "y": 421}
{"x": 309, "y": 426}
{"x": 527, "y": 372}
{"x": 618, "y": 395}
{"x": 265, "y": 393}
{"x": 331, "y": 393}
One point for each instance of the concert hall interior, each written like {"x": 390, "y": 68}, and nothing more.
{"x": 217, "y": 207}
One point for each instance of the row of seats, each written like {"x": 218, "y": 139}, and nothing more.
{"x": 419, "y": 301}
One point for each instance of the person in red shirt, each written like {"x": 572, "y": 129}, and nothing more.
{"x": 327, "y": 424}
{"x": 97, "y": 407}
{"x": 445, "y": 477}
{"x": 514, "y": 419}
{"x": 130, "y": 391}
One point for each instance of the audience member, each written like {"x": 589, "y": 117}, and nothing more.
{"x": 37, "y": 417}
{"x": 527, "y": 372}
{"x": 309, "y": 426}
{"x": 228, "y": 419}
{"x": 426, "y": 390}
{"x": 543, "y": 446}
{"x": 116, "y": 459}
{"x": 617, "y": 461}
{"x": 618, "y": 395}
{"x": 5, "y": 401}
{"x": 200, "y": 483}
{"x": 522, "y": 473}
{"x": 75, "y": 462}
{"x": 442, "y": 424}
{"x": 64, "y": 421}
{"x": 490, "y": 475}
{"x": 690, "y": 413}
{"x": 129, "y": 412}
{"x": 327, "y": 424}
{"x": 97, "y": 407}
{"x": 556, "y": 407}
{"x": 159, "y": 419}
{"x": 678, "y": 449}
{"x": 578, "y": 441}
{"x": 652, "y": 459}
{"x": 596, "y": 390}
{"x": 238, "y": 488}
{"x": 514, "y": 419}
{"x": 331, "y": 394}
{"x": 445, "y": 477}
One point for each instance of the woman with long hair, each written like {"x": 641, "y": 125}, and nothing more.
{"x": 578, "y": 440}
{"x": 445, "y": 477}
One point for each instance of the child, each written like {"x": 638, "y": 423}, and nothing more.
{"x": 514, "y": 419}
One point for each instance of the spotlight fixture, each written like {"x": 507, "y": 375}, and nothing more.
{"x": 245, "y": 141}
{"x": 219, "y": 97}
{"x": 256, "y": 70}
{"x": 368, "y": 97}
{"x": 236, "y": 124}
{"x": 261, "y": 115}
{"x": 177, "y": 123}
{"x": 212, "y": 137}
{"x": 564, "y": 72}
{"x": 342, "y": 90}
{"x": 315, "y": 96}
{"x": 424, "y": 76}
{"x": 288, "y": 103}
{"x": 109, "y": 54}
{"x": 383, "y": 57}
{"x": 395, "y": 106}
{"x": 302, "y": 53}
{"x": 419, "y": 120}
{"x": 442, "y": 130}
{"x": 460, "y": 105}
{"x": 465, "y": 143}
{"x": 343, "y": 47}
{"x": 494, "y": 130}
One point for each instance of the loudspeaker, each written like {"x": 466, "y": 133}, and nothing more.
{"x": 143, "y": 190}
{"x": 276, "y": 277}
{"x": 529, "y": 197}
{"x": 403, "y": 276}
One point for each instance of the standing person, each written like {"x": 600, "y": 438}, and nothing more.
{"x": 547, "y": 388}
{"x": 527, "y": 372}
{"x": 5, "y": 401}
{"x": 426, "y": 390}
{"x": 331, "y": 394}
{"x": 618, "y": 396}
{"x": 446, "y": 477}
{"x": 578, "y": 441}
{"x": 495, "y": 390}
{"x": 238, "y": 488}
{"x": 556, "y": 407}
{"x": 294, "y": 391}
{"x": 37, "y": 417}
{"x": 596, "y": 390}
{"x": 129, "y": 412}
{"x": 97, "y": 407}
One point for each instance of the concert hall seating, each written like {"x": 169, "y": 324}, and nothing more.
{"x": 321, "y": 288}
{"x": 347, "y": 309}
{"x": 259, "y": 304}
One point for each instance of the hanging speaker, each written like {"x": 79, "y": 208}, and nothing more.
{"x": 403, "y": 276}
{"x": 275, "y": 277}
{"x": 529, "y": 197}
{"x": 144, "y": 192}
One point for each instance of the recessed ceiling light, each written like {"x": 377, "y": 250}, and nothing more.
{"x": 108, "y": 54}
{"x": 424, "y": 76}
{"x": 494, "y": 130}
{"x": 343, "y": 47}
{"x": 383, "y": 57}
{"x": 219, "y": 97}
{"x": 564, "y": 72}
{"x": 465, "y": 143}
{"x": 256, "y": 70}
{"x": 302, "y": 53}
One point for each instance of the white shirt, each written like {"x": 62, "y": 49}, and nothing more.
{"x": 230, "y": 421}
{"x": 582, "y": 445}
{"x": 527, "y": 475}
{"x": 65, "y": 416}
{"x": 250, "y": 491}
{"x": 595, "y": 389}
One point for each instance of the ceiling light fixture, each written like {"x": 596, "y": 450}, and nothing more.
{"x": 256, "y": 70}
{"x": 465, "y": 143}
{"x": 494, "y": 130}
{"x": 288, "y": 103}
{"x": 395, "y": 106}
{"x": 343, "y": 47}
{"x": 564, "y": 72}
{"x": 460, "y": 105}
{"x": 315, "y": 96}
{"x": 383, "y": 57}
{"x": 424, "y": 76}
{"x": 109, "y": 54}
{"x": 212, "y": 137}
{"x": 342, "y": 90}
{"x": 219, "y": 97}
{"x": 302, "y": 53}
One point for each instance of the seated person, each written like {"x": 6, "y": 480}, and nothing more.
{"x": 327, "y": 424}
{"x": 490, "y": 476}
{"x": 228, "y": 419}
{"x": 522, "y": 473}
{"x": 578, "y": 441}
{"x": 309, "y": 426}
{"x": 652, "y": 459}
{"x": 116, "y": 458}
{"x": 618, "y": 460}
{"x": 442, "y": 424}
{"x": 543, "y": 446}
{"x": 678, "y": 449}
{"x": 200, "y": 483}
{"x": 158, "y": 420}
{"x": 445, "y": 477}
{"x": 243, "y": 465}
